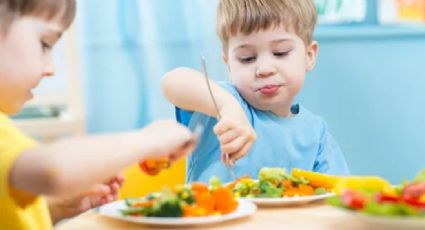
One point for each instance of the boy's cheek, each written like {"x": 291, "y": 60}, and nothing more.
{"x": 11, "y": 109}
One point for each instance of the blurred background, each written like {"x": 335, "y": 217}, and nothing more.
{"x": 369, "y": 82}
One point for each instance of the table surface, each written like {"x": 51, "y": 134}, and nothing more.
{"x": 311, "y": 216}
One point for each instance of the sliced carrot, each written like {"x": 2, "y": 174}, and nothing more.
{"x": 205, "y": 200}
{"x": 290, "y": 192}
{"x": 199, "y": 187}
{"x": 193, "y": 211}
{"x": 287, "y": 184}
{"x": 224, "y": 201}
{"x": 305, "y": 190}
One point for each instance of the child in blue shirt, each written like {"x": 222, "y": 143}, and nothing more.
{"x": 268, "y": 47}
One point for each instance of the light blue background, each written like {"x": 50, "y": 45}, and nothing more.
{"x": 368, "y": 84}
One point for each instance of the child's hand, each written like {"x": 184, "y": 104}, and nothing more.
{"x": 169, "y": 139}
{"x": 234, "y": 132}
{"x": 172, "y": 140}
{"x": 62, "y": 207}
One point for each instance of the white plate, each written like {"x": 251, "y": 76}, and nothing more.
{"x": 385, "y": 222}
{"x": 288, "y": 201}
{"x": 245, "y": 208}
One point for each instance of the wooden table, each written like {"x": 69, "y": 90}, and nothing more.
{"x": 313, "y": 216}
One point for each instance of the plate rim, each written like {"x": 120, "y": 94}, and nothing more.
{"x": 245, "y": 209}
{"x": 288, "y": 200}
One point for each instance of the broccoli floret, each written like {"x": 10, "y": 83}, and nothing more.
{"x": 242, "y": 188}
{"x": 185, "y": 194}
{"x": 267, "y": 189}
{"x": 168, "y": 206}
{"x": 273, "y": 175}
{"x": 298, "y": 180}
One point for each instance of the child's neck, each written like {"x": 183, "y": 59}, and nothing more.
{"x": 284, "y": 111}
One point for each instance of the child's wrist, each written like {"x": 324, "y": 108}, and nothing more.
{"x": 230, "y": 106}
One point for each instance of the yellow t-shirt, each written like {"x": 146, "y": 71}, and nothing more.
{"x": 19, "y": 210}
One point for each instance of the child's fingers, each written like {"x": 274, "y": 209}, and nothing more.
{"x": 228, "y": 136}
{"x": 182, "y": 152}
{"x": 98, "y": 189}
{"x": 234, "y": 146}
{"x": 238, "y": 155}
{"x": 119, "y": 178}
{"x": 222, "y": 127}
{"x": 115, "y": 187}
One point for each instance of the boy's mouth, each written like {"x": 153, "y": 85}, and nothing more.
{"x": 269, "y": 90}
{"x": 30, "y": 95}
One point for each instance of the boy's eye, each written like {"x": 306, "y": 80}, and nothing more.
{"x": 45, "y": 46}
{"x": 281, "y": 54}
{"x": 247, "y": 59}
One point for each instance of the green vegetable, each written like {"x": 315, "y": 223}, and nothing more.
{"x": 273, "y": 175}
{"x": 320, "y": 191}
{"x": 255, "y": 190}
{"x": 390, "y": 209}
{"x": 185, "y": 193}
{"x": 243, "y": 189}
{"x": 267, "y": 189}
{"x": 168, "y": 206}
{"x": 298, "y": 180}
{"x": 215, "y": 183}
{"x": 335, "y": 201}
{"x": 420, "y": 176}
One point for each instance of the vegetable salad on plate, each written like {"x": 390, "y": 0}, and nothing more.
{"x": 277, "y": 182}
{"x": 370, "y": 197}
{"x": 194, "y": 200}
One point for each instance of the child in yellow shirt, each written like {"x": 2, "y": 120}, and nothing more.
{"x": 61, "y": 170}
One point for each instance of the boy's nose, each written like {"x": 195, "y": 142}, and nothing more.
{"x": 49, "y": 69}
{"x": 264, "y": 71}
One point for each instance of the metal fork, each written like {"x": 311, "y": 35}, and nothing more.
{"x": 226, "y": 155}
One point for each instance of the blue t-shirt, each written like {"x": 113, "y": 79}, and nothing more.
{"x": 302, "y": 141}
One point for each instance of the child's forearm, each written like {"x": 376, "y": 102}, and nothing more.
{"x": 187, "y": 89}
{"x": 70, "y": 165}
{"x": 54, "y": 209}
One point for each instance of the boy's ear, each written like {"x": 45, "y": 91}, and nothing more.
{"x": 225, "y": 60}
{"x": 312, "y": 52}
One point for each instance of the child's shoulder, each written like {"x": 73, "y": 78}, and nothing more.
{"x": 229, "y": 87}
{"x": 308, "y": 118}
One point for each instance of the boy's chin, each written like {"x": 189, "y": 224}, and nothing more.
{"x": 12, "y": 109}
{"x": 274, "y": 107}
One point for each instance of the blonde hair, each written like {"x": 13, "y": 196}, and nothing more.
{"x": 61, "y": 10}
{"x": 247, "y": 16}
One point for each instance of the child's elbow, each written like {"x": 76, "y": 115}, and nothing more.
{"x": 171, "y": 81}
{"x": 57, "y": 181}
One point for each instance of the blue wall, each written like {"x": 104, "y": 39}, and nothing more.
{"x": 369, "y": 83}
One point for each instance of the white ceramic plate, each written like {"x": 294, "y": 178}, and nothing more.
{"x": 288, "y": 201}
{"x": 245, "y": 208}
{"x": 384, "y": 222}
